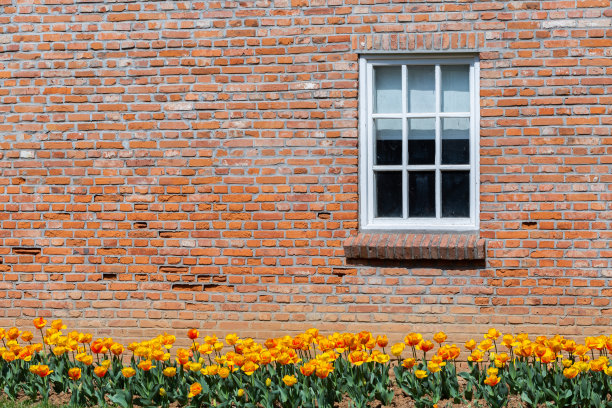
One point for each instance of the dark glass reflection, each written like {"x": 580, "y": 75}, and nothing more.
{"x": 388, "y": 152}
{"x": 388, "y": 194}
{"x": 455, "y": 151}
{"x": 421, "y": 141}
{"x": 421, "y": 194}
{"x": 456, "y": 194}
{"x": 455, "y": 141}
{"x": 388, "y": 141}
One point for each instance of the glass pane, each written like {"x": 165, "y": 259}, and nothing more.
{"x": 455, "y": 140}
{"x": 455, "y": 194}
{"x": 455, "y": 88}
{"x": 421, "y": 194}
{"x": 421, "y": 89}
{"x": 388, "y": 194}
{"x": 388, "y": 141}
{"x": 421, "y": 141}
{"x": 388, "y": 89}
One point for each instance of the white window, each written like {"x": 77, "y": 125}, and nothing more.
{"x": 419, "y": 127}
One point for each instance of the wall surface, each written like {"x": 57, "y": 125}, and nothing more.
{"x": 165, "y": 165}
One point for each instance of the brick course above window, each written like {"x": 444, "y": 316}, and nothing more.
{"x": 451, "y": 246}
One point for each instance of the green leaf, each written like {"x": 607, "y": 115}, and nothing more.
{"x": 120, "y": 398}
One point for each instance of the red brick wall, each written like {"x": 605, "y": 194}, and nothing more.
{"x": 174, "y": 164}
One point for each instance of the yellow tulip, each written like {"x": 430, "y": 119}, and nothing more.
{"x": 420, "y": 374}
{"x": 289, "y": 380}
{"x": 397, "y": 349}
{"x": 128, "y": 372}
{"x": 169, "y": 371}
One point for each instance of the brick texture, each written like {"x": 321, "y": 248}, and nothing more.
{"x": 413, "y": 246}
{"x": 165, "y": 165}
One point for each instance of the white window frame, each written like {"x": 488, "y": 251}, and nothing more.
{"x": 367, "y": 142}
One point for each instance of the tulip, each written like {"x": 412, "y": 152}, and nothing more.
{"x": 571, "y": 372}
{"x": 409, "y": 363}
{"x": 492, "y": 380}
{"x": 169, "y": 371}
{"x": 440, "y": 337}
{"x": 39, "y": 323}
{"x": 145, "y": 365}
{"x": 12, "y": 333}
{"x": 224, "y": 372}
{"x": 425, "y": 346}
{"x": 43, "y": 370}
{"x": 470, "y": 345}
{"x": 193, "y": 334}
{"x": 492, "y": 334}
{"x": 100, "y": 371}
{"x": 420, "y": 374}
{"x": 27, "y": 336}
{"x": 413, "y": 339}
{"x": 128, "y": 372}
{"x": 397, "y": 349}
{"x": 74, "y": 373}
{"x": 58, "y": 324}
{"x": 231, "y": 339}
{"x": 289, "y": 380}
{"x": 382, "y": 341}
{"x": 194, "y": 390}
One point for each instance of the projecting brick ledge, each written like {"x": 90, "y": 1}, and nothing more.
{"x": 448, "y": 246}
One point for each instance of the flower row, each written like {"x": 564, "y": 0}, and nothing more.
{"x": 305, "y": 370}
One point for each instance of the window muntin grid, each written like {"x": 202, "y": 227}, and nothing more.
{"x": 409, "y": 122}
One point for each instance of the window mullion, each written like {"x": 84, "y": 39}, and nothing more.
{"x": 404, "y": 142}
{"x": 371, "y": 142}
{"x": 438, "y": 146}
{"x": 472, "y": 146}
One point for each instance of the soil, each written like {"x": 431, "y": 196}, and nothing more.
{"x": 399, "y": 401}
{"x": 402, "y": 401}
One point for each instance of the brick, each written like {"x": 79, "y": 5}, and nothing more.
{"x": 204, "y": 168}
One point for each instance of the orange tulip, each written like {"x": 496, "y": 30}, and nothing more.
{"x": 412, "y": 339}
{"x": 27, "y": 336}
{"x": 12, "y": 333}
{"x": 492, "y": 381}
{"x": 43, "y": 370}
{"x": 194, "y": 390}
{"x": 440, "y": 337}
{"x": 58, "y": 325}
{"x": 193, "y": 334}
{"x": 409, "y": 363}
{"x": 74, "y": 373}
{"x": 145, "y": 365}
{"x": 100, "y": 371}
{"x": 128, "y": 372}
{"x": 382, "y": 341}
{"x": 39, "y": 323}
{"x": 425, "y": 346}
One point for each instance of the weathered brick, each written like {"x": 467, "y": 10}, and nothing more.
{"x": 207, "y": 166}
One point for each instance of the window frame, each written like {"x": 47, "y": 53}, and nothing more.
{"x": 367, "y": 142}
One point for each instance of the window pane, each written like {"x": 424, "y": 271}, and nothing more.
{"x": 388, "y": 194}
{"x": 388, "y": 89}
{"x": 388, "y": 141}
{"x": 455, "y": 140}
{"x": 421, "y": 141}
{"x": 455, "y": 88}
{"x": 421, "y": 89}
{"x": 455, "y": 194}
{"x": 421, "y": 194}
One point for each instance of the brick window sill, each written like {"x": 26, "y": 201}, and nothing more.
{"x": 447, "y": 246}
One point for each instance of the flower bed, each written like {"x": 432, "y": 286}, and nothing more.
{"x": 308, "y": 370}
